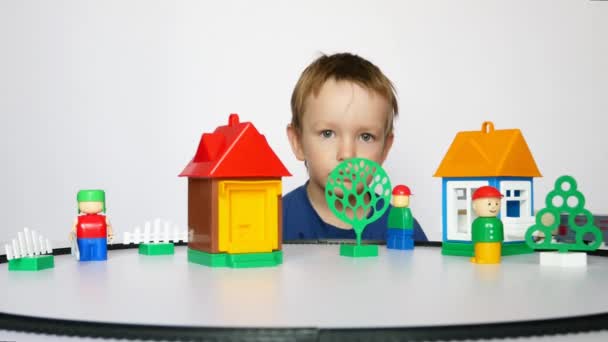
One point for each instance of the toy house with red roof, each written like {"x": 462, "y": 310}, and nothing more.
{"x": 500, "y": 158}
{"x": 234, "y": 198}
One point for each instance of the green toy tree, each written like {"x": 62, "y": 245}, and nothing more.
{"x": 358, "y": 192}
{"x": 564, "y": 198}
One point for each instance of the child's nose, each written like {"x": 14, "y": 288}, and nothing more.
{"x": 346, "y": 150}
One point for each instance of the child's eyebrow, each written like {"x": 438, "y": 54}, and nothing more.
{"x": 323, "y": 123}
{"x": 372, "y": 127}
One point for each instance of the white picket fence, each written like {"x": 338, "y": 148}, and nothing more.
{"x": 27, "y": 244}
{"x": 161, "y": 232}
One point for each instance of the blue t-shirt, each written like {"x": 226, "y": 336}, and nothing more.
{"x": 301, "y": 222}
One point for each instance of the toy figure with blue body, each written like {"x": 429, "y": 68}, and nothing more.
{"x": 91, "y": 227}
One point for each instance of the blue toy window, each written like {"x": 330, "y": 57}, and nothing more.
{"x": 513, "y": 208}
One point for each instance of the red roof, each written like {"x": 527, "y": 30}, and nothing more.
{"x": 234, "y": 150}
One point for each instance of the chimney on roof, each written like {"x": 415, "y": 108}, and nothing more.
{"x": 486, "y": 127}
{"x": 233, "y": 120}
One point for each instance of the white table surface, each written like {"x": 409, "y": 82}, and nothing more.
{"x": 314, "y": 287}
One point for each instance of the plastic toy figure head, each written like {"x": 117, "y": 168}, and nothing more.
{"x": 342, "y": 108}
{"x": 91, "y": 201}
{"x": 401, "y": 196}
{"x": 486, "y": 201}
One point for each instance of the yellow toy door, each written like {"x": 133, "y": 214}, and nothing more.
{"x": 248, "y": 216}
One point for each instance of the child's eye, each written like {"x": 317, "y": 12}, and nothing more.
{"x": 327, "y": 133}
{"x": 367, "y": 137}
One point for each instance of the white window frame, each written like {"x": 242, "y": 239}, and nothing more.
{"x": 452, "y": 232}
{"x": 515, "y": 227}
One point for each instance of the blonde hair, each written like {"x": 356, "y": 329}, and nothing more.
{"x": 341, "y": 67}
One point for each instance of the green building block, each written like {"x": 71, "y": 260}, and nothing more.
{"x": 457, "y": 249}
{"x": 156, "y": 248}
{"x": 515, "y": 248}
{"x": 35, "y": 263}
{"x": 466, "y": 249}
{"x": 241, "y": 260}
{"x": 359, "y": 251}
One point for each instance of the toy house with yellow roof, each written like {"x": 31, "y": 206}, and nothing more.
{"x": 500, "y": 158}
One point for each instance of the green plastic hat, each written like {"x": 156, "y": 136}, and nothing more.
{"x": 92, "y": 196}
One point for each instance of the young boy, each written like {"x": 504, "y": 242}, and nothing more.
{"x": 342, "y": 107}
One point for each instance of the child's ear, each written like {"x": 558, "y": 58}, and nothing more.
{"x": 388, "y": 143}
{"x": 295, "y": 142}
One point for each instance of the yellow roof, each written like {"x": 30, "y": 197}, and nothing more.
{"x": 488, "y": 153}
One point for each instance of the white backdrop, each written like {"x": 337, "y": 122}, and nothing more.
{"x": 115, "y": 94}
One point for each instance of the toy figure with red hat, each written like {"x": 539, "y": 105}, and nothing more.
{"x": 400, "y": 220}
{"x": 487, "y": 228}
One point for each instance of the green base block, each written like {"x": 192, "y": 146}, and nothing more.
{"x": 457, "y": 248}
{"x": 516, "y": 248}
{"x": 156, "y": 248}
{"x": 35, "y": 263}
{"x": 466, "y": 249}
{"x": 359, "y": 251}
{"x": 242, "y": 260}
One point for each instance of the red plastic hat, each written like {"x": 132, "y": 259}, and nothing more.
{"x": 401, "y": 190}
{"x": 487, "y": 192}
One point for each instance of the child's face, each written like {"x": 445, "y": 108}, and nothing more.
{"x": 343, "y": 121}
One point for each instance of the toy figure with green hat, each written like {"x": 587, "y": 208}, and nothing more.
{"x": 91, "y": 227}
